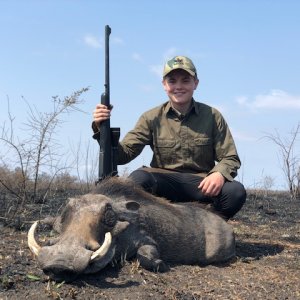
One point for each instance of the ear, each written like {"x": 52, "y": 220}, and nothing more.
{"x": 196, "y": 83}
{"x": 132, "y": 205}
{"x": 164, "y": 83}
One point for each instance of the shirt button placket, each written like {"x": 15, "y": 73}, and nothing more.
{"x": 184, "y": 141}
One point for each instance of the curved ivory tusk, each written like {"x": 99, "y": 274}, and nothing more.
{"x": 32, "y": 244}
{"x": 104, "y": 248}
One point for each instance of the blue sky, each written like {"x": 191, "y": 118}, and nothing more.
{"x": 247, "y": 54}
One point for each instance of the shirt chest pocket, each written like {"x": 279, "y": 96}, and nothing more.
{"x": 165, "y": 151}
{"x": 202, "y": 149}
{"x": 163, "y": 143}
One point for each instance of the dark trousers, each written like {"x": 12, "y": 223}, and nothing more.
{"x": 183, "y": 187}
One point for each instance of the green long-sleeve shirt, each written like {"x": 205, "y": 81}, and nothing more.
{"x": 199, "y": 142}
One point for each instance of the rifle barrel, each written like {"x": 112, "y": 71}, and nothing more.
{"x": 105, "y": 155}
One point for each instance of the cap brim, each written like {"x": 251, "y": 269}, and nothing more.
{"x": 174, "y": 69}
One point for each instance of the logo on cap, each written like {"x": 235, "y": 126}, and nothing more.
{"x": 178, "y": 61}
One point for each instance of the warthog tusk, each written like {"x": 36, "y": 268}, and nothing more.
{"x": 32, "y": 244}
{"x": 104, "y": 248}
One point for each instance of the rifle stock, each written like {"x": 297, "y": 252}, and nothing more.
{"x": 109, "y": 137}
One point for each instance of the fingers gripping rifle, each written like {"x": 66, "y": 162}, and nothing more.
{"x": 109, "y": 137}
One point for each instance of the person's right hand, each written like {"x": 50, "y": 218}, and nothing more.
{"x": 101, "y": 113}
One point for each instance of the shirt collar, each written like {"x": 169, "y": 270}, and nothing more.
{"x": 168, "y": 107}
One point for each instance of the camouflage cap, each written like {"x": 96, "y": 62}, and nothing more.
{"x": 180, "y": 62}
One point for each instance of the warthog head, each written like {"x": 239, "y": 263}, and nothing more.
{"x": 85, "y": 243}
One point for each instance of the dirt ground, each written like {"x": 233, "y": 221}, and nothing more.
{"x": 267, "y": 265}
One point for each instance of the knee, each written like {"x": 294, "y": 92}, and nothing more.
{"x": 238, "y": 198}
{"x": 144, "y": 179}
{"x": 241, "y": 195}
{"x": 232, "y": 199}
{"x": 238, "y": 193}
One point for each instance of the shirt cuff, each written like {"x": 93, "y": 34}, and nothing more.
{"x": 224, "y": 171}
{"x": 96, "y": 131}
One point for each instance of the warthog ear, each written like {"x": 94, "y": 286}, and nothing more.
{"x": 132, "y": 205}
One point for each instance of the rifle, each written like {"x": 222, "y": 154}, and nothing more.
{"x": 109, "y": 137}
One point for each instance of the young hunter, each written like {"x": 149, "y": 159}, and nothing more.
{"x": 194, "y": 154}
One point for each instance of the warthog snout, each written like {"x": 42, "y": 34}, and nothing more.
{"x": 60, "y": 273}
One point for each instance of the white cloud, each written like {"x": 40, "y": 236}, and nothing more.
{"x": 137, "y": 57}
{"x": 117, "y": 40}
{"x": 170, "y": 53}
{"x": 147, "y": 88}
{"x": 92, "y": 41}
{"x": 157, "y": 70}
{"x": 243, "y": 136}
{"x": 275, "y": 99}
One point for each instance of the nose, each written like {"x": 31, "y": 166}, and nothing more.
{"x": 178, "y": 85}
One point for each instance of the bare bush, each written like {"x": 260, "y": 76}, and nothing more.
{"x": 85, "y": 163}
{"x": 290, "y": 159}
{"x": 33, "y": 153}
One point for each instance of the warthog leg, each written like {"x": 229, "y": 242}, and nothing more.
{"x": 148, "y": 257}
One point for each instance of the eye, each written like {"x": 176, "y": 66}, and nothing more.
{"x": 187, "y": 80}
{"x": 110, "y": 217}
{"x": 171, "y": 80}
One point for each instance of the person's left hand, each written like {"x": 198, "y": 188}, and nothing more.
{"x": 212, "y": 184}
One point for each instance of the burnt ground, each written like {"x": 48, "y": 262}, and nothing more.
{"x": 267, "y": 265}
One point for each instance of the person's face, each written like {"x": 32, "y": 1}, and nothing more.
{"x": 179, "y": 86}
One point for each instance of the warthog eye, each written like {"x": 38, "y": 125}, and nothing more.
{"x": 110, "y": 217}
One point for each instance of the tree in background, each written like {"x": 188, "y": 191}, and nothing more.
{"x": 290, "y": 159}
{"x": 36, "y": 152}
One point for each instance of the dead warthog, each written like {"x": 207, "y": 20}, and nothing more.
{"x": 119, "y": 220}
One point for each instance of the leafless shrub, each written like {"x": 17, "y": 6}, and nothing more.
{"x": 290, "y": 159}
{"x": 34, "y": 152}
{"x": 85, "y": 164}
{"x": 261, "y": 191}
